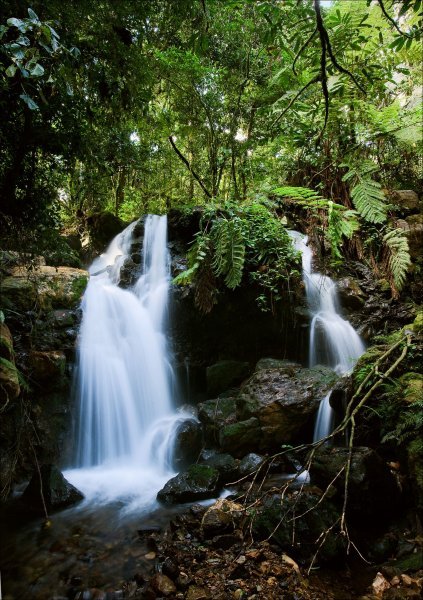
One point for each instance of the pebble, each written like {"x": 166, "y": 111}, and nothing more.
{"x": 150, "y": 555}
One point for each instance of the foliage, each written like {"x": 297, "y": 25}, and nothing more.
{"x": 399, "y": 259}
{"x": 366, "y": 193}
{"x": 236, "y": 238}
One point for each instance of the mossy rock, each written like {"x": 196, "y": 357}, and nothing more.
{"x": 224, "y": 375}
{"x": 196, "y": 483}
{"x": 240, "y": 438}
{"x": 412, "y": 386}
{"x": 418, "y": 322}
{"x": 9, "y": 381}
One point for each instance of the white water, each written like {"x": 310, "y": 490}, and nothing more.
{"x": 333, "y": 340}
{"x": 124, "y": 383}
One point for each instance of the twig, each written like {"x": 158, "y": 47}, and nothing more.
{"x": 392, "y": 21}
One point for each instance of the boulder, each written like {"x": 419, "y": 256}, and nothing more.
{"x": 57, "y": 492}
{"x": 188, "y": 444}
{"x": 226, "y": 465}
{"x": 224, "y": 375}
{"x": 351, "y": 295}
{"x": 406, "y": 201}
{"x": 6, "y": 343}
{"x": 413, "y": 227}
{"x": 240, "y": 437}
{"x": 47, "y": 368}
{"x": 215, "y": 414}
{"x": 45, "y": 287}
{"x": 197, "y": 483}
{"x": 250, "y": 464}
{"x": 163, "y": 585}
{"x": 9, "y": 381}
{"x": 304, "y": 513}
{"x": 221, "y": 517}
{"x": 284, "y": 401}
{"x": 102, "y": 228}
{"x": 369, "y": 478}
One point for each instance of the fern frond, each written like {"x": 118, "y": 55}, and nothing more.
{"x": 399, "y": 257}
{"x": 229, "y": 250}
{"x": 297, "y": 193}
{"x": 370, "y": 201}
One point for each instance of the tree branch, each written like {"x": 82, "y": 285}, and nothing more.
{"x": 297, "y": 95}
{"x": 301, "y": 50}
{"x": 189, "y": 167}
{"x": 391, "y": 20}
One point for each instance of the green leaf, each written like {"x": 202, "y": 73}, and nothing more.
{"x": 32, "y": 105}
{"x": 33, "y": 16}
{"x": 16, "y": 23}
{"x": 37, "y": 70}
{"x": 11, "y": 70}
{"x": 399, "y": 256}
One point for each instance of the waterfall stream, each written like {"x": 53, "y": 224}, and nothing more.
{"x": 124, "y": 380}
{"x": 333, "y": 340}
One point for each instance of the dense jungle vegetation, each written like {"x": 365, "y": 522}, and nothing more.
{"x": 240, "y": 106}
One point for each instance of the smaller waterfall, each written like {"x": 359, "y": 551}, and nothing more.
{"x": 333, "y": 340}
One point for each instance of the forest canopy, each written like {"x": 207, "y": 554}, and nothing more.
{"x": 136, "y": 107}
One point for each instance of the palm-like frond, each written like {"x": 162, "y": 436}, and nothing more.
{"x": 399, "y": 257}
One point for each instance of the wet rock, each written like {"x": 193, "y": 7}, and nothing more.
{"x": 351, "y": 295}
{"x": 224, "y": 375}
{"x": 250, "y": 464}
{"x": 162, "y": 584}
{"x": 226, "y": 465}
{"x": 47, "y": 368}
{"x": 273, "y": 363}
{"x": 197, "y": 483}
{"x": 215, "y": 414}
{"x": 9, "y": 381}
{"x": 170, "y": 568}
{"x": 57, "y": 492}
{"x": 369, "y": 477}
{"x": 188, "y": 444}
{"x": 6, "y": 343}
{"x": 284, "y": 400}
{"x": 241, "y": 437}
{"x": 227, "y": 540}
{"x": 279, "y": 515}
{"x": 222, "y": 516}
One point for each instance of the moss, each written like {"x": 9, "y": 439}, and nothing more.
{"x": 418, "y": 322}
{"x": 412, "y": 384}
{"x": 201, "y": 474}
{"x": 78, "y": 286}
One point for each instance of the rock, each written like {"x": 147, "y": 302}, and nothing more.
{"x": 188, "y": 444}
{"x": 226, "y": 465}
{"x": 102, "y": 228}
{"x": 284, "y": 400}
{"x": 313, "y": 516}
{"x": 224, "y": 375}
{"x": 241, "y": 437}
{"x": 273, "y": 363}
{"x": 57, "y": 491}
{"x": 44, "y": 287}
{"x": 380, "y": 584}
{"x": 197, "y": 483}
{"x": 162, "y": 584}
{"x": 197, "y": 593}
{"x": 407, "y": 201}
{"x": 221, "y": 517}
{"x": 250, "y": 463}
{"x": 351, "y": 295}
{"x": 215, "y": 414}
{"x": 9, "y": 381}
{"x": 47, "y": 368}
{"x": 413, "y": 227}
{"x": 412, "y": 387}
{"x": 9, "y": 378}
{"x": 6, "y": 343}
{"x": 170, "y": 568}
{"x": 369, "y": 477}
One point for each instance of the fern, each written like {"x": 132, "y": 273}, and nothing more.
{"x": 229, "y": 252}
{"x": 399, "y": 257}
{"x": 341, "y": 223}
{"x": 297, "y": 193}
{"x": 367, "y": 194}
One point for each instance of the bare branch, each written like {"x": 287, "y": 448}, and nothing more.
{"x": 301, "y": 50}
{"x": 189, "y": 167}
{"x": 391, "y": 20}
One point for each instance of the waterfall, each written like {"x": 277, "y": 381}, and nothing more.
{"x": 124, "y": 378}
{"x": 333, "y": 340}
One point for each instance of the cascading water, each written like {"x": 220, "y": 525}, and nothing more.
{"x": 124, "y": 382}
{"x": 333, "y": 340}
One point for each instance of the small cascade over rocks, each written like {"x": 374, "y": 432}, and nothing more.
{"x": 127, "y": 421}
{"x": 333, "y": 341}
